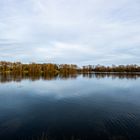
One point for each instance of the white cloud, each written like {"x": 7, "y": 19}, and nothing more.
{"x": 72, "y": 31}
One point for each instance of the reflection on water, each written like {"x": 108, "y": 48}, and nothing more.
{"x": 70, "y": 107}
{"x": 7, "y": 77}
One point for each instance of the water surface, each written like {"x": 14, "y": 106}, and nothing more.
{"x": 78, "y": 107}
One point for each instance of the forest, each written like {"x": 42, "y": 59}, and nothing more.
{"x": 49, "y": 68}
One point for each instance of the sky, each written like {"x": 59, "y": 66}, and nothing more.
{"x": 80, "y": 32}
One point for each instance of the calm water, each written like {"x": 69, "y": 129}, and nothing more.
{"x": 84, "y": 107}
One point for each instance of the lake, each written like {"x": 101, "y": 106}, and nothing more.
{"x": 76, "y": 107}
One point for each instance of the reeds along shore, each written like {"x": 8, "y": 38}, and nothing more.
{"x": 45, "y": 68}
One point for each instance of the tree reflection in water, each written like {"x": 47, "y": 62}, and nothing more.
{"x": 8, "y": 77}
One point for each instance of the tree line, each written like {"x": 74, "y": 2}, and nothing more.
{"x": 34, "y": 68}
{"x": 65, "y": 69}
{"x": 113, "y": 68}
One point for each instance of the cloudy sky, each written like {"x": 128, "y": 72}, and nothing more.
{"x": 70, "y": 31}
